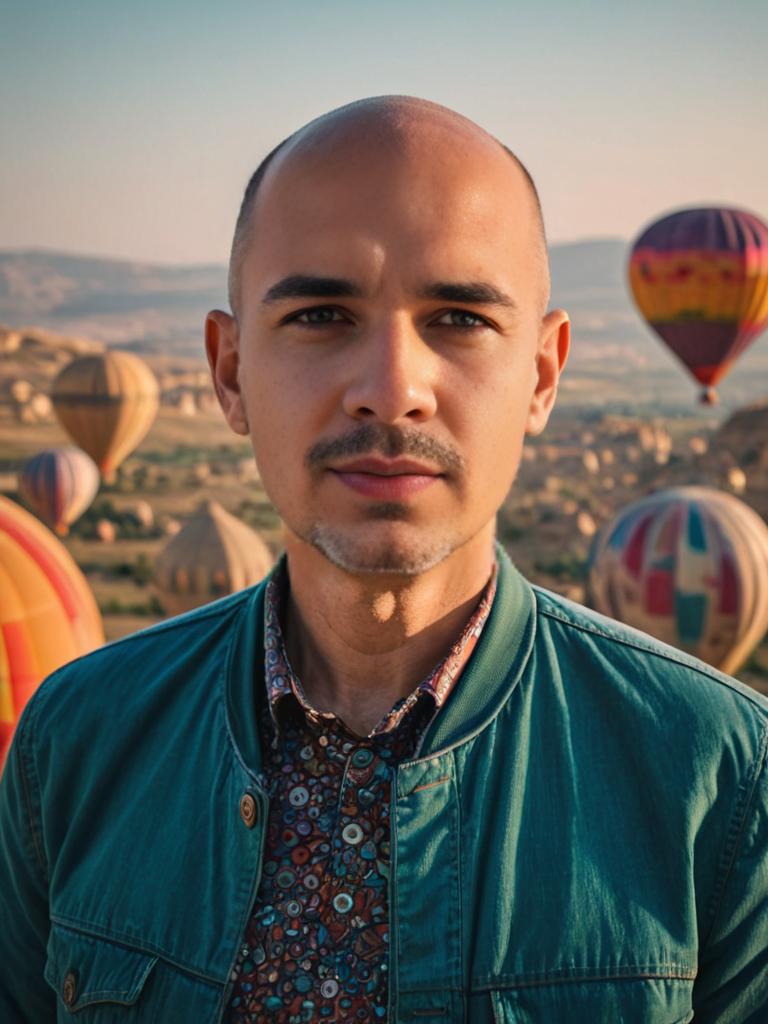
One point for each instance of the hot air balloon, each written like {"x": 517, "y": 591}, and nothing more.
{"x": 59, "y": 484}
{"x": 212, "y": 555}
{"x": 700, "y": 279}
{"x": 47, "y": 612}
{"x": 106, "y": 403}
{"x": 688, "y": 565}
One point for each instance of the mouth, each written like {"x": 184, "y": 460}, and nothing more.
{"x": 386, "y": 479}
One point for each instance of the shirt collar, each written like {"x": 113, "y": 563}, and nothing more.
{"x": 282, "y": 682}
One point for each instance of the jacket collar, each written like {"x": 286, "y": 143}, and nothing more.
{"x": 487, "y": 680}
{"x": 495, "y": 667}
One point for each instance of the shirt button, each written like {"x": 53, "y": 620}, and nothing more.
{"x": 69, "y": 989}
{"x": 352, "y": 834}
{"x": 342, "y": 903}
{"x": 249, "y": 810}
{"x": 329, "y": 988}
{"x": 298, "y": 796}
{"x": 362, "y": 758}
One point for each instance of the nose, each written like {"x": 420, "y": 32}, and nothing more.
{"x": 392, "y": 375}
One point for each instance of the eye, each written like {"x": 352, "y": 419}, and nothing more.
{"x": 317, "y": 316}
{"x": 461, "y": 318}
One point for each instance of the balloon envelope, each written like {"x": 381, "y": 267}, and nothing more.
{"x": 688, "y": 565}
{"x": 59, "y": 484}
{"x": 212, "y": 555}
{"x": 47, "y": 611}
{"x": 106, "y": 403}
{"x": 700, "y": 279}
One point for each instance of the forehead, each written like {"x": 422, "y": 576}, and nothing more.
{"x": 428, "y": 192}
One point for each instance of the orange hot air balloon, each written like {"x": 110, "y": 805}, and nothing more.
{"x": 106, "y": 403}
{"x": 47, "y": 612}
{"x": 59, "y": 484}
{"x": 700, "y": 279}
{"x": 212, "y": 555}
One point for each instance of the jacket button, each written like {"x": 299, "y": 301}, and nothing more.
{"x": 249, "y": 810}
{"x": 69, "y": 989}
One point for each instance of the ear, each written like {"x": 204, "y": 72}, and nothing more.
{"x": 554, "y": 342}
{"x": 223, "y": 350}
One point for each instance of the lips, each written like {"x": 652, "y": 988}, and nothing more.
{"x": 386, "y": 479}
{"x": 387, "y": 467}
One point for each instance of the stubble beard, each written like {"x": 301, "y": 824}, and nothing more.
{"x": 376, "y": 555}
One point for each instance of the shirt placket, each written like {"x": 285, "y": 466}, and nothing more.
{"x": 355, "y": 885}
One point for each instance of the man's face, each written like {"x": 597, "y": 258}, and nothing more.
{"x": 390, "y": 348}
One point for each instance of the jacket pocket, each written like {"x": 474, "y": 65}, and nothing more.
{"x": 618, "y": 1000}
{"x": 86, "y": 971}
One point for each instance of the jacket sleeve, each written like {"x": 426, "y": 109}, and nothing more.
{"x": 25, "y": 997}
{"x": 732, "y": 985}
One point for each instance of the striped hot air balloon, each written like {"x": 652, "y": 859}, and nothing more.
{"x": 700, "y": 279}
{"x": 688, "y": 565}
{"x": 47, "y": 611}
{"x": 212, "y": 555}
{"x": 59, "y": 484}
{"x": 106, "y": 403}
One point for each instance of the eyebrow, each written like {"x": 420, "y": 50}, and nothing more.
{"x": 305, "y": 286}
{"x": 470, "y": 292}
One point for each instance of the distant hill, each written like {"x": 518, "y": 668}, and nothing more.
{"x": 137, "y": 305}
{"x": 590, "y": 272}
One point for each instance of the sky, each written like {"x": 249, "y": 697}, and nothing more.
{"x": 130, "y": 130}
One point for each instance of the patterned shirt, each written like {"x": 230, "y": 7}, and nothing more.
{"x": 315, "y": 947}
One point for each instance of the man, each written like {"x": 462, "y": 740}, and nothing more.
{"x": 395, "y": 782}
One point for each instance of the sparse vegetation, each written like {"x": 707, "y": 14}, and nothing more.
{"x": 114, "y": 606}
{"x": 566, "y": 567}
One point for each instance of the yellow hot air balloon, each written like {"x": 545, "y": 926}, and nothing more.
{"x": 212, "y": 555}
{"x": 106, "y": 403}
{"x": 47, "y": 611}
{"x": 700, "y": 279}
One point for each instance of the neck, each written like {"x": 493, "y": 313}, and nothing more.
{"x": 360, "y": 642}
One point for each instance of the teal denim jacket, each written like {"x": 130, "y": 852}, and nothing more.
{"x": 583, "y": 838}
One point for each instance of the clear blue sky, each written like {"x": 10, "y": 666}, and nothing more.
{"x": 130, "y": 129}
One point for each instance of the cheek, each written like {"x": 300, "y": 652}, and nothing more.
{"x": 493, "y": 414}
{"x": 287, "y": 381}
{"x": 271, "y": 410}
{"x": 273, "y": 396}
{"x": 493, "y": 407}
{"x": 283, "y": 405}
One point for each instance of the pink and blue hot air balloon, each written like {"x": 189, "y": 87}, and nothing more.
{"x": 688, "y": 565}
{"x": 59, "y": 484}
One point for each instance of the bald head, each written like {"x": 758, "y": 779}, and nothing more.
{"x": 386, "y": 125}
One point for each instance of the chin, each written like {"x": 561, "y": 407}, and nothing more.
{"x": 374, "y": 553}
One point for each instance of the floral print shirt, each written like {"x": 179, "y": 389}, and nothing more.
{"x": 316, "y": 945}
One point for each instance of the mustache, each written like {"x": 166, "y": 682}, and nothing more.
{"x": 388, "y": 441}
